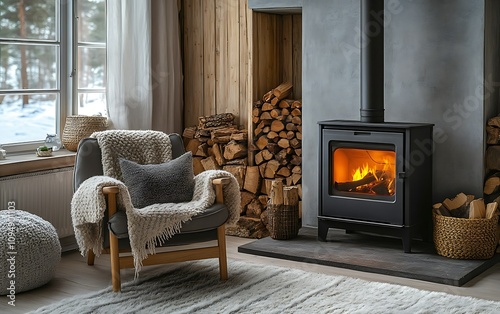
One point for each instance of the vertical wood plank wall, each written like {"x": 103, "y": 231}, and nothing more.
{"x": 216, "y": 59}
{"x": 232, "y": 56}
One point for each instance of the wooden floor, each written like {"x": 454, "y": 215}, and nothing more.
{"x": 74, "y": 277}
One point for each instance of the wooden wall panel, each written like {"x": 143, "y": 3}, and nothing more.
{"x": 216, "y": 58}
{"x": 209, "y": 63}
{"x": 297, "y": 56}
{"x": 246, "y": 74}
{"x": 227, "y": 57}
{"x": 267, "y": 47}
{"x": 193, "y": 61}
{"x": 232, "y": 56}
{"x": 287, "y": 49}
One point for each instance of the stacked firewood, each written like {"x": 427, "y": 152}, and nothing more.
{"x": 277, "y": 131}
{"x": 492, "y": 183}
{"x": 217, "y": 143}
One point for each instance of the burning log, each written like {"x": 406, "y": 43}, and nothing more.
{"x": 352, "y": 185}
{"x": 381, "y": 187}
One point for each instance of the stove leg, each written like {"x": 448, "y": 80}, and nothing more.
{"x": 407, "y": 240}
{"x": 322, "y": 230}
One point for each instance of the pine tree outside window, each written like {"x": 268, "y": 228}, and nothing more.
{"x": 52, "y": 64}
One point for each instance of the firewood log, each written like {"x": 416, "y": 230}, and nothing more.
{"x": 262, "y": 142}
{"x": 352, "y": 185}
{"x": 256, "y": 112}
{"x": 271, "y": 135}
{"x": 285, "y": 103}
{"x": 254, "y": 209}
{"x": 189, "y": 132}
{"x": 295, "y": 143}
{"x": 258, "y": 158}
{"x": 284, "y": 143}
{"x": 296, "y": 160}
{"x": 282, "y": 90}
{"x": 193, "y": 145}
{"x": 296, "y": 178}
{"x": 297, "y": 120}
{"x": 234, "y": 150}
{"x": 491, "y": 210}
{"x": 271, "y": 169}
{"x": 277, "y": 126}
{"x": 284, "y": 172}
{"x": 238, "y": 171}
{"x": 273, "y": 148}
{"x": 241, "y": 136}
{"x": 268, "y": 96}
{"x": 492, "y": 184}
{"x": 246, "y": 198}
{"x": 291, "y": 127}
{"x": 252, "y": 179}
{"x": 275, "y": 113}
{"x": 221, "y": 119}
{"x": 258, "y": 103}
{"x": 296, "y": 104}
{"x": 197, "y": 165}
{"x": 477, "y": 209}
{"x": 296, "y": 112}
{"x": 240, "y": 161}
{"x": 266, "y": 116}
{"x": 266, "y": 154}
{"x": 493, "y": 130}
{"x": 209, "y": 163}
{"x": 267, "y": 107}
{"x": 202, "y": 150}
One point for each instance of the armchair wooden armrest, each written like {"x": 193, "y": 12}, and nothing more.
{"x": 110, "y": 192}
{"x": 219, "y": 183}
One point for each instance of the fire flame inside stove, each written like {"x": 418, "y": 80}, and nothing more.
{"x": 382, "y": 180}
{"x": 362, "y": 172}
{"x": 368, "y": 171}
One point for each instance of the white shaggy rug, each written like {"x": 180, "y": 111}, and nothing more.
{"x": 194, "y": 287}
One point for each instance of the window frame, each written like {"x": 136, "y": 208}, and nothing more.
{"x": 67, "y": 75}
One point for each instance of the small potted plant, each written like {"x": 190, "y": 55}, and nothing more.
{"x": 44, "y": 151}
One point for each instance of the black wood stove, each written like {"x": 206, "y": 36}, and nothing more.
{"x": 375, "y": 176}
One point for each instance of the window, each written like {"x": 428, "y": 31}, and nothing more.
{"x": 91, "y": 56}
{"x": 52, "y": 64}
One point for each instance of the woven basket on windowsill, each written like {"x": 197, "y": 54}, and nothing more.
{"x": 80, "y": 127}
{"x": 463, "y": 238}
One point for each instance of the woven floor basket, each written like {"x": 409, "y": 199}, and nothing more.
{"x": 283, "y": 222}
{"x": 80, "y": 127}
{"x": 463, "y": 238}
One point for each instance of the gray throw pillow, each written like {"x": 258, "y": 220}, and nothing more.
{"x": 170, "y": 182}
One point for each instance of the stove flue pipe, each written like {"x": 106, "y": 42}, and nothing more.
{"x": 372, "y": 61}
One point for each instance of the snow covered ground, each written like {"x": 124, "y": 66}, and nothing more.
{"x": 35, "y": 120}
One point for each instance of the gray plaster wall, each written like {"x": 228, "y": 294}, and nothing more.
{"x": 434, "y": 73}
{"x": 436, "y": 67}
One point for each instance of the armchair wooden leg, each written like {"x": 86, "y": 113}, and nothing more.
{"x": 115, "y": 262}
{"x": 90, "y": 258}
{"x": 221, "y": 239}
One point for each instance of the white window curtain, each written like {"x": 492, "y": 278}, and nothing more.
{"x": 144, "y": 82}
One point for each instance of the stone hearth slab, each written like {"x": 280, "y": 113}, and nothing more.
{"x": 371, "y": 253}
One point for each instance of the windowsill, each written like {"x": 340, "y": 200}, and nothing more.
{"x": 29, "y": 162}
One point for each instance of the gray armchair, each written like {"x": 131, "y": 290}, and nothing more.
{"x": 203, "y": 227}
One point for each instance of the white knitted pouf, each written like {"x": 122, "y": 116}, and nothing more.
{"x": 30, "y": 251}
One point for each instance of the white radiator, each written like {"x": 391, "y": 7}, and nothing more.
{"x": 45, "y": 193}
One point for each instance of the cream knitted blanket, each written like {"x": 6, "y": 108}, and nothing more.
{"x": 151, "y": 225}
